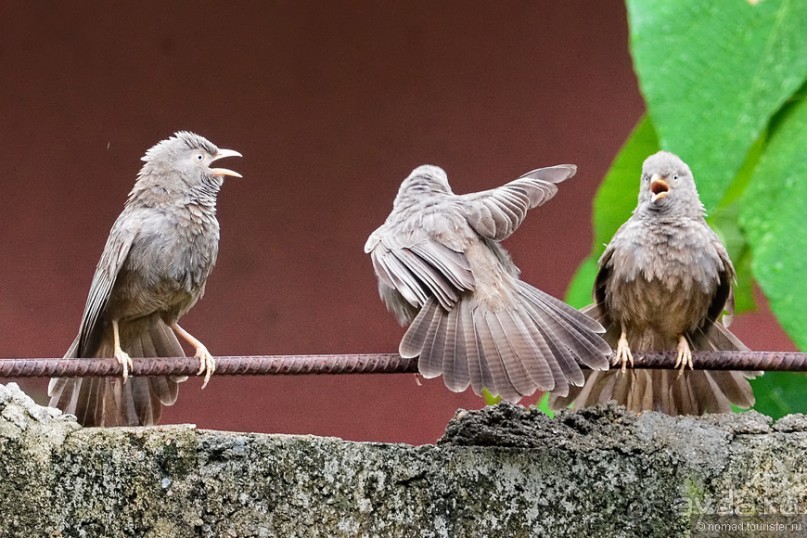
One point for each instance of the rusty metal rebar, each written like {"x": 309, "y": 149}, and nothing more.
{"x": 376, "y": 363}
{"x": 368, "y": 363}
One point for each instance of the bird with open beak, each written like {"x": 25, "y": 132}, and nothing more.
{"x": 442, "y": 271}
{"x": 153, "y": 269}
{"x": 664, "y": 282}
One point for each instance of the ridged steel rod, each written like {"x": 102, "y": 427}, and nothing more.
{"x": 369, "y": 363}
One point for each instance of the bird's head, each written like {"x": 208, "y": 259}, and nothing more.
{"x": 667, "y": 184}
{"x": 187, "y": 157}
{"x": 425, "y": 179}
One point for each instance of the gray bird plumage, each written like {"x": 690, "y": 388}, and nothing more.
{"x": 664, "y": 281}
{"x": 153, "y": 269}
{"x": 442, "y": 271}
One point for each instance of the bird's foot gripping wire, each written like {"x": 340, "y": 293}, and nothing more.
{"x": 684, "y": 357}
{"x": 125, "y": 361}
{"x": 207, "y": 364}
{"x": 123, "y": 358}
{"x": 623, "y": 354}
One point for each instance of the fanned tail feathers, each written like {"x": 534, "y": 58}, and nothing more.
{"x": 514, "y": 351}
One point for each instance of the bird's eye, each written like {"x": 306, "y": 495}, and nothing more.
{"x": 646, "y": 177}
{"x": 200, "y": 157}
{"x": 675, "y": 177}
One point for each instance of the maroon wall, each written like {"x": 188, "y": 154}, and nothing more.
{"x": 332, "y": 104}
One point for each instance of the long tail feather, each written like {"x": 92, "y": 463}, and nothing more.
{"x": 693, "y": 392}
{"x": 107, "y": 401}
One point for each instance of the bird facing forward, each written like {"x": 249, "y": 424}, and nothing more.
{"x": 153, "y": 269}
{"x": 441, "y": 269}
{"x": 664, "y": 282}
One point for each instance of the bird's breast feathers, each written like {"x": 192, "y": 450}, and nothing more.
{"x": 677, "y": 256}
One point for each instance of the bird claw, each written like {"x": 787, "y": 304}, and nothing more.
{"x": 126, "y": 363}
{"x": 623, "y": 354}
{"x": 207, "y": 364}
{"x": 684, "y": 357}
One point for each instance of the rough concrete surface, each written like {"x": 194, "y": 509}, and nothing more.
{"x": 502, "y": 471}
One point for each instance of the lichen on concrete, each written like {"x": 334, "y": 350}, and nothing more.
{"x": 501, "y": 471}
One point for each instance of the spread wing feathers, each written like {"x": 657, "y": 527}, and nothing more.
{"x": 693, "y": 393}
{"x": 106, "y": 401}
{"x": 424, "y": 269}
{"x": 106, "y": 272}
{"x": 496, "y": 213}
{"x": 512, "y": 352}
{"x": 552, "y": 174}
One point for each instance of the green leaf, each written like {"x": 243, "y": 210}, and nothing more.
{"x": 744, "y": 287}
{"x": 489, "y": 398}
{"x": 738, "y": 186}
{"x": 713, "y": 74}
{"x": 579, "y": 293}
{"x": 615, "y": 200}
{"x": 780, "y": 393}
{"x": 772, "y": 213}
{"x": 543, "y": 406}
{"x": 725, "y": 221}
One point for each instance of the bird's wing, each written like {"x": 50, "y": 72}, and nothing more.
{"x": 600, "y": 283}
{"x": 728, "y": 310}
{"x": 496, "y": 213}
{"x": 615, "y": 259}
{"x": 117, "y": 248}
{"x": 723, "y": 298}
{"x": 421, "y": 257}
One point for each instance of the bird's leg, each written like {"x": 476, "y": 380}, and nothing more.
{"x": 684, "y": 357}
{"x": 122, "y": 357}
{"x": 207, "y": 364}
{"x": 623, "y": 354}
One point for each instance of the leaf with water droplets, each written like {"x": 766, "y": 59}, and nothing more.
{"x": 772, "y": 213}
{"x": 713, "y": 74}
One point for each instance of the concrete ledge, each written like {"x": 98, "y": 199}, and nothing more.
{"x": 502, "y": 471}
